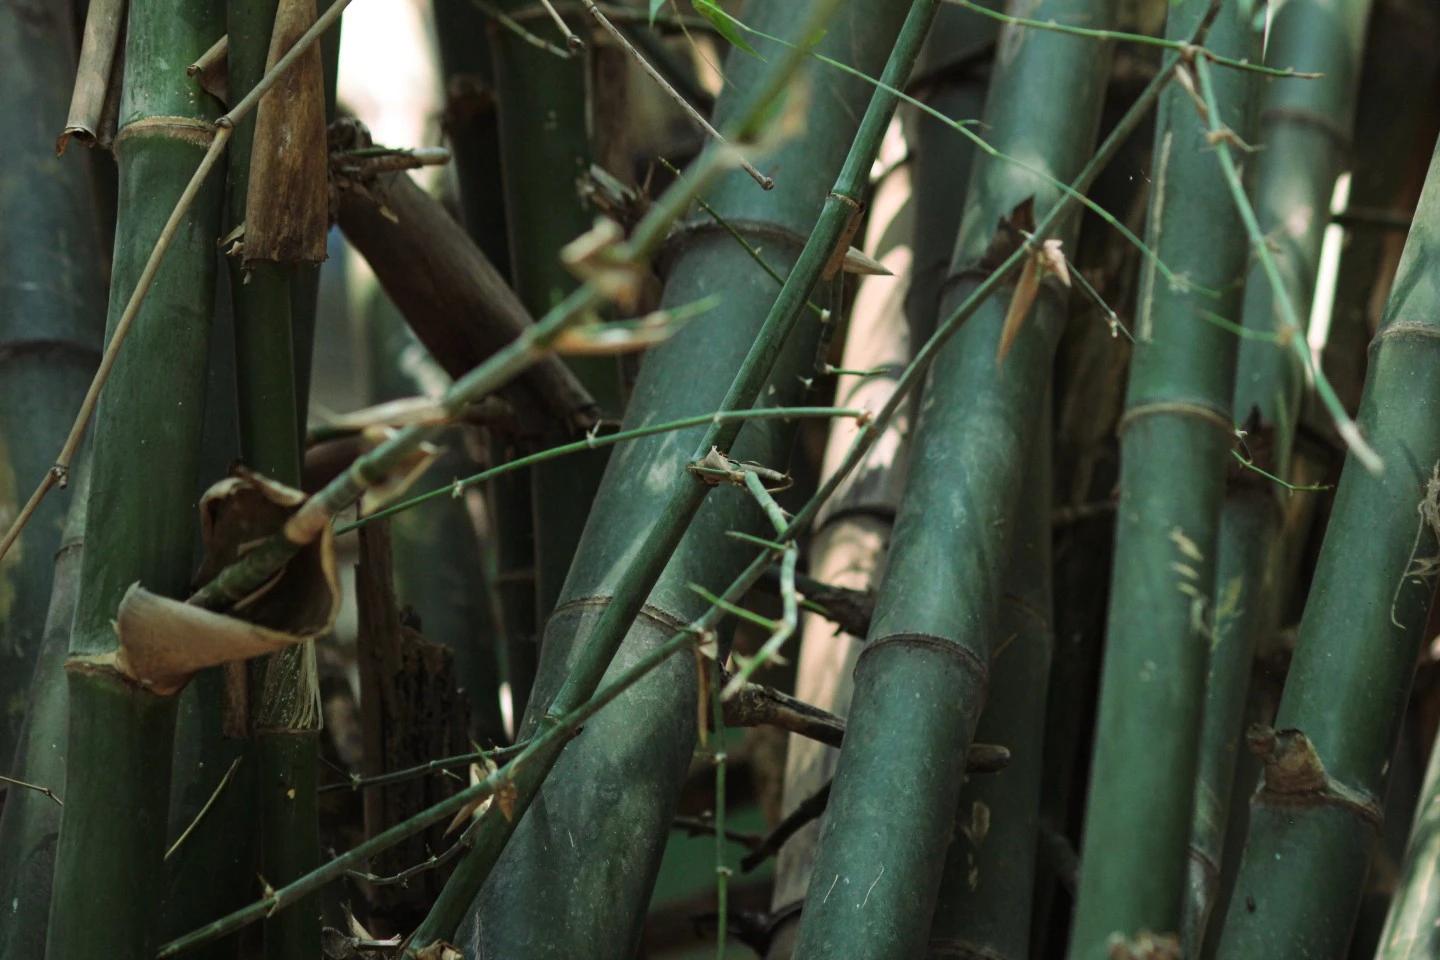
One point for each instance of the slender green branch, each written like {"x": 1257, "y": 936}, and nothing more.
{"x": 963, "y": 128}
{"x": 1294, "y": 332}
{"x": 1252, "y": 466}
{"x": 357, "y": 782}
{"x": 595, "y": 443}
{"x": 1188, "y": 49}
{"x": 790, "y": 617}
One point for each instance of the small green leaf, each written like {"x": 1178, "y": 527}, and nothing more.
{"x": 655, "y": 7}
{"x": 724, "y": 23}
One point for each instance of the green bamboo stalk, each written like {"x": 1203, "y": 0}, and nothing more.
{"x": 984, "y": 904}
{"x": 1294, "y": 178}
{"x": 848, "y": 542}
{"x": 1396, "y": 59}
{"x": 141, "y": 521}
{"x": 471, "y": 126}
{"x": 1175, "y": 440}
{"x": 1313, "y": 819}
{"x": 1411, "y": 931}
{"x": 874, "y": 885}
{"x": 542, "y": 105}
{"x": 50, "y": 259}
{"x": 284, "y": 696}
{"x": 624, "y": 759}
{"x": 30, "y": 821}
{"x": 214, "y": 870}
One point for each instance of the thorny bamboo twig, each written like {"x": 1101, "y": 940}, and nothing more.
{"x": 766, "y": 183}
{"x": 593, "y": 442}
{"x": 356, "y": 782}
{"x": 1294, "y": 334}
{"x": 1188, "y": 49}
{"x": 963, "y": 128}
{"x": 224, "y": 127}
{"x": 32, "y": 786}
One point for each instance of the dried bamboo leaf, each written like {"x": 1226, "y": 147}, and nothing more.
{"x": 103, "y": 24}
{"x": 163, "y": 642}
{"x": 1024, "y": 297}
{"x": 287, "y": 209}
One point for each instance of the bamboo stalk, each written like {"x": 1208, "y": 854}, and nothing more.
{"x": 974, "y": 427}
{"x": 141, "y": 521}
{"x": 1314, "y": 816}
{"x": 1175, "y": 438}
{"x": 1294, "y": 178}
{"x": 272, "y": 185}
{"x": 648, "y": 757}
{"x": 50, "y": 306}
{"x": 848, "y": 542}
{"x": 542, "y": 105}
{"x": 30, "y": 822}
{"x": 1411, "y": 931}
{"x": 986, "y": 891}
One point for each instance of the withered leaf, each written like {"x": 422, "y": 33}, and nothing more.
{"x": 1020, "y": 303}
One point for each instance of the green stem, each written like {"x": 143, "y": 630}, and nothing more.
{"x": 592, "y": 443}
{"x": 1174, "y": 441}
{"x": 1312, "y": 822}
{"x": 141, "y": 522}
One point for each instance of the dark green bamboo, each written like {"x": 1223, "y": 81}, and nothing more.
{"x": 284, "y": 697}
{"x": 921, "y": 682}
{"x": 1175, "y": 438}
{"x": 1304, "y": 130}
{"x": 214, "y": 870}
{"x": 986, "y": 891}
{"x": 633, "y": 758}
{"x": 544, "y": 146}
{"x": 437, "y": 556}
{"x": 857, "y": 523}
{"x": 30, "y": 822}
{"x": 142, "y": 519}
{"x": 1412, "y": 928}
{"x": 1313, "y": 819}
{"x": 51, "y": 283}
{"x": 471, "y": 126}
{"x": 847, "y": 546}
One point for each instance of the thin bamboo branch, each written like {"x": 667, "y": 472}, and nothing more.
{"x": 1181, "y": 46}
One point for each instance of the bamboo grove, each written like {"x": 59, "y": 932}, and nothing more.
{"x": 814, "y": 479}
